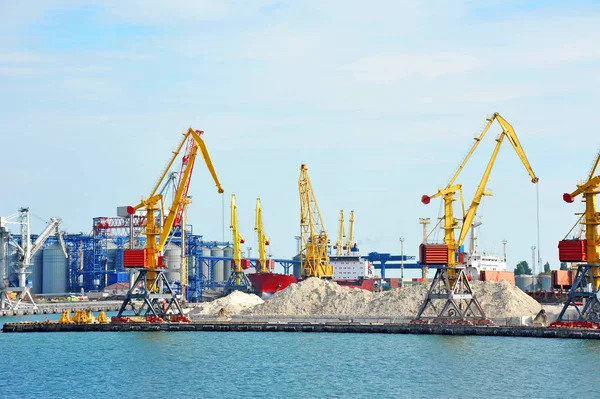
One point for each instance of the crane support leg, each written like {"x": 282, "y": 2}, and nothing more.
{"x": 158, "y": 299}
{"x": 456, "y": 302}
{"x": 24, "y": 300}
{"x": 584, "y": 291}
{"x": 238, "y": 281}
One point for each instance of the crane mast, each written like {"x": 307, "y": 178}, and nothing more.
{"x": 263, "y": 241}
{"x": 450, "y": 281}
{"x": 350, "y": 244}
{"x": 238, "y": 279}
{"x": 314, "y": 257}
{"x": 151, "y": 285}
{"x": 586, "y": 284}
{"x": 339, "y": 244}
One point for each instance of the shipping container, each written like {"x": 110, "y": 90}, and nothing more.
{"x": 489, "y": 275}
{"x": 562, "y": 279}
{"x": 433, "y": 254}
{"x": 134, "y": 258}
{"x": 572, "y": 251}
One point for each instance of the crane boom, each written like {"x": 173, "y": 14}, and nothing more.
{"x": 263, "y": 241}
{"x": 314, "y": 258}
{"x": 509, "y": 133}
{"x": 339, "y": 244}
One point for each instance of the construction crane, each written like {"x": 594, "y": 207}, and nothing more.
{"x": 238, "y": 279}
{"x": 450, "y": 282}
{"x": 350, "y": 244}
{"x": 339, "y": 244}
{"x": 151, "y": 285}
{"x": 314, "y": 256}
{"x": 26, "y": 250}
{"x": 263, "y": 241}
{"x": 586, "y": 284}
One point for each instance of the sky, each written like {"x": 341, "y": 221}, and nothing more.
{"x": 381, "y": 100}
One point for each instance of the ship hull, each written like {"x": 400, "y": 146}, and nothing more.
{"x": 266, "y": 284}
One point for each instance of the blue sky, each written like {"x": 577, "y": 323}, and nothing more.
{"x": 380, "y": 99}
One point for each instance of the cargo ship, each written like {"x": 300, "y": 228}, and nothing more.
{"x": 477, "y": 262}
{"x": 348, "y": 271}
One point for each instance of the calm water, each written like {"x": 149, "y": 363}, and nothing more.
{"x": 293, "y": 365}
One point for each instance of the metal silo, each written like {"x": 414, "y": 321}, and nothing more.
{"x": 227, "y": 253}
{"x": 54, "y": 270}
{"x": 218, "y": 265}
{"x": 205, "y": 251}
{"x": 37, "y": 272}
{"x": 545, "y": 282}
{"x": 525, "y": 282}
{"x": 12, "y": 258}
{"x": 173, "y": 254}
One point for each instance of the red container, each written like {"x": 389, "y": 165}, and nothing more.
{"x": 572, "y": 251}
{"x": 433, "y": 254}
{"x": 488, "y": 275}
{"x": 134, "y": 258}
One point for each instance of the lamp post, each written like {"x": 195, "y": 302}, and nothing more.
{"x": 401, "y": 262}
{"x": 249, "y": 252}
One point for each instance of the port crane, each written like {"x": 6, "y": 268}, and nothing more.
{"x": 238, "y": 279}
{"x": 263, "y": 241}
{"x": 339, "y": 244}
{"x": 586, "y": 284}
{"x": 26, "y": 250}
{"x": 151, "y": 286}
{"x": 350, "y": 244}
{"x": 450, "y": 283}
{"x": 314, "y": 257}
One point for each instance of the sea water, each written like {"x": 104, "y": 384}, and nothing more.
{"x": 292, "y": 365}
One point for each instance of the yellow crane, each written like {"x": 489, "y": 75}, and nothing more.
{"x": 453, "y": 277}
{"x": 150, "y": 260}
{"x": 587, "y": 252}
{"x": 350, "y": 243}
{"x": 339, "y": 244}
{"x": 238, "y": 279}
{"x": 263, "y": 241}
{"x": 314, "y": 256}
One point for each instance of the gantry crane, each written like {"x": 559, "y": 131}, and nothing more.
{"x": 151, "y": 287}
{"x": 26, "y": 250}
{"x": 350, "y": 244}
{"x": 263, "y": 241}
{"x": 450, "y": 281}
{"x": 339, "y": 244}
{"x": 238, "y": 279}
{"x": 314, "y": 256}
{"x": 586, "y": 284}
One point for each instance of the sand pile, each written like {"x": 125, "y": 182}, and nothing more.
{"x": 504, "y": 300}
{"x": 234, "y": 303}
{"x": 320, "y": 297}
